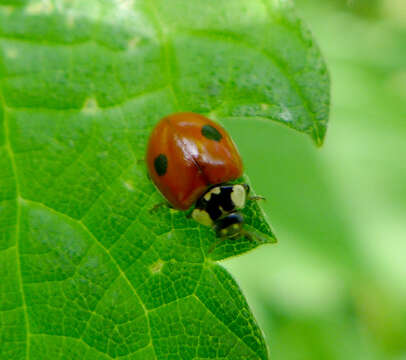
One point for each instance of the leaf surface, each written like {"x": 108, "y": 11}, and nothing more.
{"x": 87, "y": 271}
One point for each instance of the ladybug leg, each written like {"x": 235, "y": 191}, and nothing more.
{"x": 159, "y": 205}
{"x": 253, "y": 237}
{"x": 248, "y": 235}
{"x": 213, "y": 246}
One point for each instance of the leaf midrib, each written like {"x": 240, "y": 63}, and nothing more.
{"x": 7, "y": 145}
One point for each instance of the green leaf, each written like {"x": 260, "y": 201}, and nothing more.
{"x": 87, "y": 271}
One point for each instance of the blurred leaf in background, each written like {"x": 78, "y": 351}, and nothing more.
{"x": 334, "y": 287}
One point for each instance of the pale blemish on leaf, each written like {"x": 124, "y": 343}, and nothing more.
{"x": 286, "y": 114}
{"x": 212, "y": 115}
{"x": 157, "y": 266}
{"x": 129, "y": 185}
{"x": 90, "y": 106}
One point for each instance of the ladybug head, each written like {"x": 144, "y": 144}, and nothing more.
{"x": 230, "y": 226}
{"x": 220, "y": 206}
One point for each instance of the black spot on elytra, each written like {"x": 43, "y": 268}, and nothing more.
{"x": 211, "y": 133}
{"x": 161, "y": 164}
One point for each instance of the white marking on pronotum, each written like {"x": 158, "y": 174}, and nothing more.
{"x": 239, "y": 196}
{"x": 202, "y": 217}
{"x": 90, "y": 107}
{"x": 208, "y": 195}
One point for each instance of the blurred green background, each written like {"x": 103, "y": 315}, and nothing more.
{"x": 334, "y": 287}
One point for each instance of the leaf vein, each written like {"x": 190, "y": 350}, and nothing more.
{"x": 112, "y": 259}
{"x": 18, "y": 218}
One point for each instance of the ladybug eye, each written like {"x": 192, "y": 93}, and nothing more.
{"x": 211, "y": 133}
{"x": 161, "y": 164}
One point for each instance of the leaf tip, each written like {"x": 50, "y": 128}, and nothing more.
{"x": 318, "y": 134}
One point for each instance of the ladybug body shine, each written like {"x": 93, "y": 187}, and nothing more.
{"x": 187, "y": 153}
{"x": 191, "y": 159}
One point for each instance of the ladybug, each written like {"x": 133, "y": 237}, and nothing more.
{"x": 191, "y": 160}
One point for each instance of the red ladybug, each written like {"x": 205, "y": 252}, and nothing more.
{"x": 191, "y": 159}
